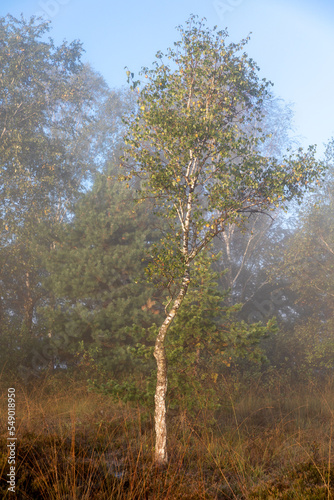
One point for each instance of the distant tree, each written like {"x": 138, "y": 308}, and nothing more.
{"x": 306, "y": 264}
{"x": 55, "y": 135}
{"x": 190, "y": 145}
{"x": 246, "y": 252}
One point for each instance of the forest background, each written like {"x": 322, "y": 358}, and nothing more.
{"x": 76, "y": 305}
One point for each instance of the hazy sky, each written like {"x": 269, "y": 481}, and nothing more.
{"x": 292, "y": 42}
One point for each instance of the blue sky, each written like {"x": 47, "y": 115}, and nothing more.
{"x": 292, "y": 42}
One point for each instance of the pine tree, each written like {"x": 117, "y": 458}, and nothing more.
{"x": 207, "y": 342}
{"x": 102, "y": 306}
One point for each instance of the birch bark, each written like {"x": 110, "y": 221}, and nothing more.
{"x": 161, "y": 456}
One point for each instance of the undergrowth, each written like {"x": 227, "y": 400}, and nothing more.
{"x": 264, "y": 444}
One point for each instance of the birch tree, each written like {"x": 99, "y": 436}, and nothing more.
{"x": 190, "y": 144}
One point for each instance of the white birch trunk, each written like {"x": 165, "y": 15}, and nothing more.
{"x": 161, "y": 456}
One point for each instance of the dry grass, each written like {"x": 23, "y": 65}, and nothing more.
{"x": 266, "y": 444}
